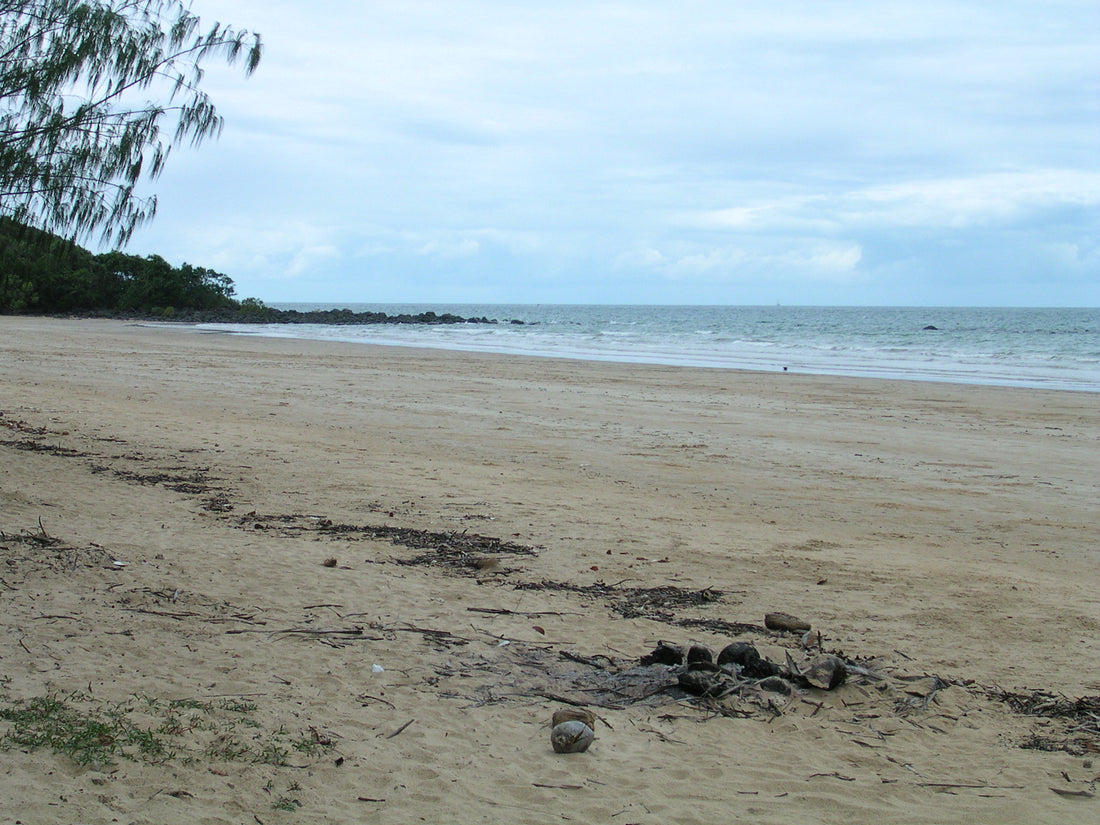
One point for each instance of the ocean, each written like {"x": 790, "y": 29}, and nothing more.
{"x": 1043, "y": 348}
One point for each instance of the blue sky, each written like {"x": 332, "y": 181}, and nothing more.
{"x": 913, "y": 153}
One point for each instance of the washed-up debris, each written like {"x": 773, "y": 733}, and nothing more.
{"x": 457, "y": 552}
{"x": 573, "y": 714}
{"x": 1079, "y": 731}
{"x": 655, "y": 603}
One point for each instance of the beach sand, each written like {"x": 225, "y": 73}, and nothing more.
{"x": 209, "y": 537}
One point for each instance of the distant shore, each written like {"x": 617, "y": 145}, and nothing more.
{"x": 256, "y": 313}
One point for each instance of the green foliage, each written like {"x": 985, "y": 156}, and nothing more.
{"x": 43, "y": 273}
{"x": 77, "y": 131}
{"x": 143, "y": 728}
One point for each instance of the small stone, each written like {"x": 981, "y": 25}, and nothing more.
{"x": 573, "y": 736}
{"x": 776, "y": 684}
{"x": 698, "y": 653}
{"x": 664, "y": 654}
{"x": 825, "y": 672}
{"x": 785, "y": 621}
{"x": 701, "y": 682}
{"x": 748, "y": 660}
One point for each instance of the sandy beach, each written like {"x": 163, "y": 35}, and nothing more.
{"x": 332, "y": 583}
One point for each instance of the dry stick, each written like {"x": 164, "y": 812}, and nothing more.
{"x": 427, "y": 631}
{"x": 400, "y": 729}
{"x": 502, "y": 611}
{"x": 375, "y": 698}
{"x": 558, "y": 787}
{"x": 972, "y": 786}
{"x": 591, "y": 661}
{"x": 308, "y": 631}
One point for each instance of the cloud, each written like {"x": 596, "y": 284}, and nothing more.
{"x": 576, "y": 143}
{"x": 951, "y": 203}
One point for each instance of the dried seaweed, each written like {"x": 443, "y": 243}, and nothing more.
{"x": 37, "y": 551}
{"x": 457, "y": 551}
{"x": 1078, "y": 731}
{"x": 656, "y": 603}
{"x": 27, "y": 445}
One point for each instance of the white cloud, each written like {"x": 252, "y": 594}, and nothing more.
{"x": 672, "y": 140}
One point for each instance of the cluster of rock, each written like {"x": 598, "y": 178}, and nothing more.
{"x": 740, "y": 664}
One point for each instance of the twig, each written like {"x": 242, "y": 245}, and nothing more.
{"x": 438, "y": 634}
{"x": 591, "y": 661}
{"x": 362, "y": 696}
{"x": 971, "y": 786}
{"x": 558, "y": 787}
{"x": 400, "y": 729}
{"x": 502, "y": 611}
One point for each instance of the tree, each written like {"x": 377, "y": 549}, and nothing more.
{"x": 75, "y": 134}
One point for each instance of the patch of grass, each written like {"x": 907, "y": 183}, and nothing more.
{"x": 91, "y": 731}
{"x": 285, "y": 803}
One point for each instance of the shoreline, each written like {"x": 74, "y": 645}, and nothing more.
{"x": 759, "y": 356}
{"x": 930, "y": 528}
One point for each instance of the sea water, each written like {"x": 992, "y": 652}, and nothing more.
{"x": 1044, "y": 347}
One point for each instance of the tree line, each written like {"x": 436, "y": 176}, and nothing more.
{"x": 43, "y": 273}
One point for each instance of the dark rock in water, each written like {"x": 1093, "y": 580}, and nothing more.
{"x": 930, "y": 326}
{"x": 825, "y": 672}
{"x": 785, "y": 621}
{"x": 701, "y": 683}
{"x": 664, "y": 654}
{"x": 776, "y": 684}
{"x": 698, "y": 653}
{"x": 745, "y": 655}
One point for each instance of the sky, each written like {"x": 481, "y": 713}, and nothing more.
{"x": 855, "y": 152}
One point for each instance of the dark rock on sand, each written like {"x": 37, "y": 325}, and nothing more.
{"x": 701, "y": 682}
{"x": 776, "y": 684}
{"x": 748, "y": 660}
{"x": 698, "y": 653}
{"x": 785, "y": 621}
{"x": 825, "y": 672}
{"x": 664, "y": 654}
